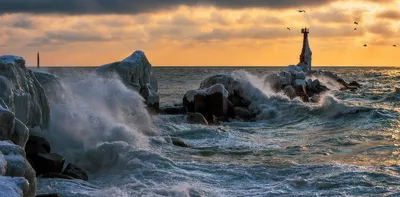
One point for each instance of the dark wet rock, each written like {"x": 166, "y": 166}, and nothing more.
{"x": 212, "y": 101}
{"x": 242, "y": 113}
{"x": 397, "y": 90}
{"x": 355, "y": 83}
{"x": 179, "y": 142}
{"x": 48, "y": 195}
{"x": 44, "y": 163}
{"x": 196, "y": 118}
{"x": 75, "y": 172}
{"x": 36, "y": 145}
{"x": 55, "y": 176}
{"x": 173, "y": 110}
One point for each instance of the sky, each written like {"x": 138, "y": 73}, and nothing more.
{"x": 201, "y": 32}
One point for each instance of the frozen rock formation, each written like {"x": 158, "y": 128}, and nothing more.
{"x": 12, "y": 157}
{"x": 135, "y": 72}
{"x": 21, "y": 93}
{"x": 17, "y": 178}
{"x": 52, "y": 86}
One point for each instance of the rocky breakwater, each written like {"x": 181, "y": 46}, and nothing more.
{"x": 301, "y": 81}
{"x": 135, "y": 73}
{"x": 24, "y": 155}
{"x": 222, "y": 97}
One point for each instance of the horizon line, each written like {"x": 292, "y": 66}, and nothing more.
{"x": 169, "y": 66}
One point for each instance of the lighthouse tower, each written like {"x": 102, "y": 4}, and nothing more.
{"x": 38, "y": 60}
{"x": 305, "y": 57}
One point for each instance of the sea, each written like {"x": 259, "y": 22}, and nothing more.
{"x": 348, "y": 144}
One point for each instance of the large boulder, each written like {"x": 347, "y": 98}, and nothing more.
{"x": 135, "y": 73}
{"x": 52, "y": 86}
{"x": 75, "y": 172}
{"x": 21, "y": 92}
{"x": 210, "y": 102}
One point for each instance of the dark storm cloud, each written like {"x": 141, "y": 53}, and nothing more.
{"x": 140, "y": 6}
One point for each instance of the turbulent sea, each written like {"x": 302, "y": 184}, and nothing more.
{"x": 347, "y": 145}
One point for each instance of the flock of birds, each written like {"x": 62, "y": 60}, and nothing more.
{"x": 355, "y": 22}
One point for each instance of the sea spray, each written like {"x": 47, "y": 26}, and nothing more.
{"x": 98, "y": 110}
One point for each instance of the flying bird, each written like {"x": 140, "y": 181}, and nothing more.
{"x": 288, "y": 28}
{"x": 365, "y": 45}
{"x": 356, "y": 23}
{"x": 355, "y": 28}
{"x": 394, "y": 45}
{"x": 301, "y": 11}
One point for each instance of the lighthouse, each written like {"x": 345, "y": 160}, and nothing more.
{"x": 38, "y": 60}
{"x": 305, "y": 56}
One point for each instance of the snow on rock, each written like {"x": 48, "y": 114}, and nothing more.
{"x": 135, "y": 72}
{"x": 21, "y": 92}
{"x": 52, "y": 86}
{"x": 13, "y": 164}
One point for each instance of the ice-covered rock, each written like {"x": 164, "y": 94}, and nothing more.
{"x": 21, "y": 93}
{"x": 135, "y": 72}
{"x": 52, "y": 86}
{"x": 13, "y": 164}
{"x": 12, "y": 129}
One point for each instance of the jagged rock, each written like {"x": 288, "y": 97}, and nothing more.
{"x": 47, "y": 163}
{"x": 14, "y": 164}
{"x": 196, "y": 118}
{"x": 179, "y": 142}
{"x": 75, "y": 172}
{"x": 135, "y": 72}
{"x": 21, "y": 92}
{"x": 52, "y": 86}
{"x": 242, "y": 113}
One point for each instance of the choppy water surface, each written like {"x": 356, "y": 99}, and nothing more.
{"x": 348, "y": 145}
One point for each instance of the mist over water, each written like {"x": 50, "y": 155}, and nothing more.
{"x": 346, "y": 145}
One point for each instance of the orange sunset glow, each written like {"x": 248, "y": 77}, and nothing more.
{"x": 209, "y": 35}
